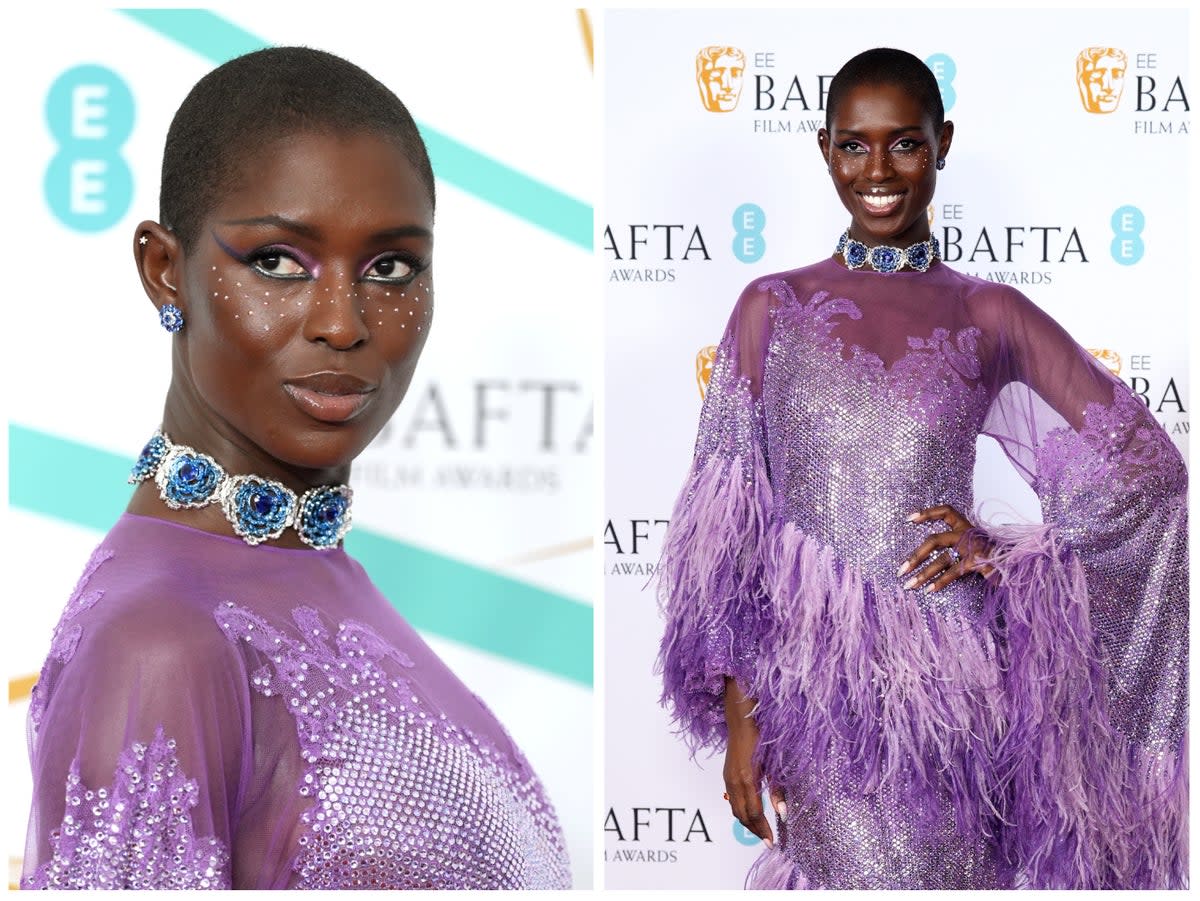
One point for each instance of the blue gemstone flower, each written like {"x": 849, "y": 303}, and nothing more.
{"x": 324, "y": 516}
{"x": 171, "y": 317}
{"x": 856, "y": 254}
{"x": 885, "y": 259}
{"x": 260, "y": 509}
{"x": 918, "y": 256}
{"x": 190, "y": 479}
{"x": 152, "y": 454}
{"x": 841, "y": 244}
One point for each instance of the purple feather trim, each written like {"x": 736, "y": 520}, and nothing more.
{"x": 1004, "y": 712}
{"x": 710, "y": 591}
{"x": 1082, "y": 806}
{"x": 773, "y": 871}
{"x": 908, "y": 698}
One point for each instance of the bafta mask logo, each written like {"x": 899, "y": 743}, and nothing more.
{"x": 704, "y": 363}
{"x": 1109, "y": 359}
{"x": 1100, "y": 76}
{"x": 719, "y": 72}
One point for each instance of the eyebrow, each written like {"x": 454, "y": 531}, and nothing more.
{"x": 309, "y": 231}
{"x": 895, "y": 131}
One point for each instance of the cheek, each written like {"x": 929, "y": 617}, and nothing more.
{"x": 247, "y": 314}
{"x": 398, "y": 315}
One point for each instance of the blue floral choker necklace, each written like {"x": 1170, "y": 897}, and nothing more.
{"x": 917, "y": 256}
{"x": 258, "y": 509}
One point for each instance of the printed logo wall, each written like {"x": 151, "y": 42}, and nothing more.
{"x": 472, "y": 509}
{"x": 714, "y": 178}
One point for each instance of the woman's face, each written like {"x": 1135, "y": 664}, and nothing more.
{"x": 307, "y": 299}
{"x": 882, "y": 153}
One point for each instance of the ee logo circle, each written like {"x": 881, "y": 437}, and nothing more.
{"x": 944, "y": 70}
{"x": 744, "y": 835}
{"x": 1127, "y": 244}
{"x": 88, "y": 184}
{"x": 748, "y": 243}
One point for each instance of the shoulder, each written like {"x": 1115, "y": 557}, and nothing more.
{"x": 153, "y": 630}
{"x": 991, "y": 305}
{"x": 765, "y": 293}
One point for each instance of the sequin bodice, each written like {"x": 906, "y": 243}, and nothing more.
{"x": 855, "y": 446}
{"x": 302, "y": 736}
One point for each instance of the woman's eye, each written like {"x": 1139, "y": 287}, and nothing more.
{"x": 391, "y": 269}
{"x": 277, "y": 264}
{"x": 853, "y": 147}
{"x": 906, "y": 144}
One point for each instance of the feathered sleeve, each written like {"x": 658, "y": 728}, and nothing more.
{"x": 1093, "y": 613}
{"x": 710, "y": 576}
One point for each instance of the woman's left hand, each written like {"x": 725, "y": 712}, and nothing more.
{"x": 962, "y": 551}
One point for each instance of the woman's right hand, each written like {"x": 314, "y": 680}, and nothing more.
{"x": 743, "y": 778}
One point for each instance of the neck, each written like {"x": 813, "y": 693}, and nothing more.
{"x": 190, "y": 421}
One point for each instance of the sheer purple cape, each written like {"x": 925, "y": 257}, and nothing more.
{"x": 1027, "y": 730}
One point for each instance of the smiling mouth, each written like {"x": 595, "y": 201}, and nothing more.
{"x": 330, "y": 396}
{"x": 881, "y": 204}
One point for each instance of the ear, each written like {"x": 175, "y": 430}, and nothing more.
{"x": 159, "y": 257}
{"x": 823, "y": 143}
{"x": 944, "y": 141}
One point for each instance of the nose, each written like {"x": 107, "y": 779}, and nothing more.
{"x": 879, "y": 164}
{"x": 726, "y": 80}
{"x": 334, "y": 314}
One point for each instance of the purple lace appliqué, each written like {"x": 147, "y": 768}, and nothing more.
{"x": 933, "y": 380}
{"x": 1119, "y": 439}
{"x": 66, "y": 633}
{"x": 402, "y": 797}
{"x": 136, "y": 834}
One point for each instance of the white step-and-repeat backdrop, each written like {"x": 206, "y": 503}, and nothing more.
{"x": 1068, "y": 178}
{"x": 475, "y": 510}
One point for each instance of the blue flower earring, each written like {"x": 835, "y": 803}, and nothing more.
{"x": 171, "y": 317}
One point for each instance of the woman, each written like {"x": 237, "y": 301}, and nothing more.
{"x": 228, "y": 700}
{"x": 955, "y": 707}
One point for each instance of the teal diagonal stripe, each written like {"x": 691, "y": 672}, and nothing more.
{"x": 437, "y": 594}
{"x": 217, "y": 40}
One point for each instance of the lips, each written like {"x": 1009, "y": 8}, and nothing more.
{"x": 881, "y": 204}
{"x": 330, "y": 396}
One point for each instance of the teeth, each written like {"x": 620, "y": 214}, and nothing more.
{"x": 880, "y": 200}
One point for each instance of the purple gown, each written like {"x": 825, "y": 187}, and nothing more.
{"x": 1023, "y": 731}
{"x": 216, "y": 715}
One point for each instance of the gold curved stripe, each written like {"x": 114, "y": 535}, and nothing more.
{"x": 585, "y": 25}
{"x": 549, "y": 553}
{"x": 14, "y": 873}
{"x": 19, "y": 687}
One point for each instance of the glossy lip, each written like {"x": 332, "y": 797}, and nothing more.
{"x": 881, "y": 211}
{"x": 330, "y": 396}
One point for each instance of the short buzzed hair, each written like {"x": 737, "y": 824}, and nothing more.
{"x": 886, "y": 65}
{"x": 263, "y": 97}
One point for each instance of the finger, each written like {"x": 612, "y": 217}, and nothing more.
{"x": 752, "y": 815}
{"x": 779, "y": 803}
{"x": 946, "y": 513}
{"x": 927, "y": 548}
{"x": 941, "y": 511}
{"x": 957, "y": 571}
{"x": 935, "y": 568}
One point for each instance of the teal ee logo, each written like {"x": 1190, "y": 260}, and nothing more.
{"x": 744, "y": 835}
{"x": 748, "y": 243}
{"x": 88, "y": 184}
{"x": 944, "y": 70}
{"x": 1127, "y": 244}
